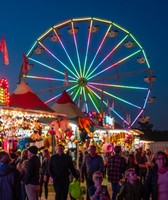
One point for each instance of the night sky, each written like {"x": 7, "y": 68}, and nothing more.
{"x": 22, "y": 22}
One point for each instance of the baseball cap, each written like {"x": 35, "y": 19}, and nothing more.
{"x": 33, "y": 149}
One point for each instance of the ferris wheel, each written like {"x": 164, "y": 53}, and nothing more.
{"x": 98, "y": 62}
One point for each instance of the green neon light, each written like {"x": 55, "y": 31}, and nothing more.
{"x": 93, "y": 102}
{"x": 84, "y": 93}
{"x": 120, "y": 99}
{"x": 136, "y": 41}
{"x": 85, "y": 98}
{"x": 146, "y": 59}
{"x": 94, "y": 99}
{"x": 77, "y": 93}
{"x": 72, "y": 88}
{"x": 95, "y": 94}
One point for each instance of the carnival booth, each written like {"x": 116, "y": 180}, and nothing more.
{"x": 78, "y": 122}
{"x": 25, "y": 121}
{"x": 107, "y": 138}
{"x": 107, "y": 133}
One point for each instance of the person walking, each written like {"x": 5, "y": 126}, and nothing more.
{"x": 21, "y": 167}
{"x": 60, "y": 167}
{"x": 91, "y": 163}
{"x": 116, "y": 166}
{"x": 142, "y": 162}
{"x": 131, "y": 163}
{"x": 32, "y": 174}
{"x": 44, "y": 173}
{"x": 10, "y": 183}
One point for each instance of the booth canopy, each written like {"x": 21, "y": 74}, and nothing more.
{"x": 24, "y": 97}
{"x": 65, "y": 105}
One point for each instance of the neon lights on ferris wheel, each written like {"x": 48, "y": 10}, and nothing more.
{"x": 83, "y": 68}
{"x": 120, "y": 99}
{"x": 66, "y": 52}
{"x": 113, "y": 65}
{"x": 101, "y": 44}
{"x": 77, "y": 52}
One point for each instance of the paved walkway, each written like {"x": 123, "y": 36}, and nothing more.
{"x": 51, "y": 195}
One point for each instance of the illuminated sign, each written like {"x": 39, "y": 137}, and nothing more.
{"x": 108, "y": 121}
{"x": 4, "y": 94}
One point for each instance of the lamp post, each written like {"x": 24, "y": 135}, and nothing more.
{"x": 52, "y": 133}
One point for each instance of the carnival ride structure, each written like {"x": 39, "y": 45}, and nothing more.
{"x": 98, "y": 62}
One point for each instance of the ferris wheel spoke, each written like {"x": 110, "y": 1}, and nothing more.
{"x": 106, "y": 56}
{"x": 115, "y": 64}
{"x": 51, "y": 89}
{"x": 76, "y": 47}
{"x": 93, "y": 99}
{"x": 48, "y": 90}
{"x": 119, "y": 115}
{"x": 112, "y": 109}
{"x": 59, "y": 39}
{"x": 75, "y": 93}
{"x": 146, "y": 99}
{"x": 100, "y": 46}
{"x": 53, "y": 98}
{"x": 118, "y": 86}
{"x": 116, "y": 113}
{"x": 48, "y": 67}
{"x": 133, "y": 122}
{"x": 131, "y": 73}
{"x": 47, "y": 78}
{"x": 115, "y": 97}
{"x": 87, "y": 48}
{"x": 50, "y": 53}
{"x": 85, "y": 99}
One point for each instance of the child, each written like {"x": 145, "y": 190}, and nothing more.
{"x": 98, "y": 191}
{"x": 132, "y": 188}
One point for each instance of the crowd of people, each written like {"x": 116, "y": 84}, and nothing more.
{"x": 138, "y": 175}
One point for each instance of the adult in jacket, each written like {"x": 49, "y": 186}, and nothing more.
{"x": 91, "y": 163}
{"x": 10, "y": 183}
{"x": 60, "y": 167}
{"x": 32, "y": 185}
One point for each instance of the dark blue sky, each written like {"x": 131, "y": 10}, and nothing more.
{"x": 22, "y": 22}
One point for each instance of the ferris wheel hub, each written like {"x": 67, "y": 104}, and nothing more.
{"x": 82, "y": 82}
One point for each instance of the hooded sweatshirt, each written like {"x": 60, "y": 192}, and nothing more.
{"x": 10, "y": 184}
